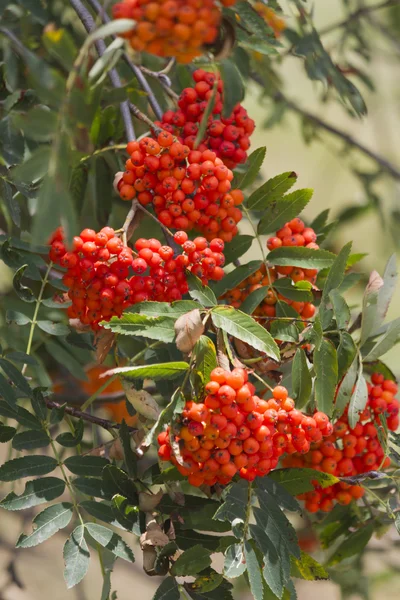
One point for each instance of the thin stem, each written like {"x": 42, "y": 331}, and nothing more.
{"x": 149, "y": 214}
{"x": 144, "y": 118}
{"x": 129, "y": 218}
{"x": 112, "y": 148}
{"x": 248, "y": 511}
{"x": 393, "y": 170}
{"x": 74, "y": 412}
{"x": 35, "y": 314}
{"x": 65, "y": 476}
{"x": 93, "y": 397}
{"x": 257, "y": 376}
{"x": 134, "y": 68}
{"x": 363, "y": 11}
{"x": 89, "y": 24}
{"x": 264, "y": 256}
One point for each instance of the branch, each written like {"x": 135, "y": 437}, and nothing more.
{"x": 393, "y": 170}
{"x": 89, "y": 24}
{"x": 357, "y": 14}
{"x": 134, "y": 68}
{"x": 74, "y": 412}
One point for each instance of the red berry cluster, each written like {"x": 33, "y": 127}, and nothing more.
{"x": 177, "y": 28}
{"x": 350, "y": 451}
{"x": 233, "y": 431}
{"x": 228, "y": 137}
{"x": 187, "y": 188}
{"x": 104, "y": 276}
{"x": 293, "y": 233}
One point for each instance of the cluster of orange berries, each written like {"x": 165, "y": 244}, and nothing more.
{"x": 350, "y": 451}
{"x": 99, "y": 271}
{"x": 293, "y": 233}
{"x": 235, "y": 432}
{"x": 187, "y": 188}
{"x": 177, "y": 28}
{"x": 228, "y": 137}
{"x": 271, "y": 18}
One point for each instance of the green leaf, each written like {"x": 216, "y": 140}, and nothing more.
{"x": 276, "y": 526}
{"x": 8, "y": 392}
{"x": 23, "y": 416}
{"x": 191, "y": 562}
{"x": 61, "y": 46}
{"x": 346, "y": 353}
{"x": 233, "y": 86}
{"x": 292, "y": 291}
{"x": 17, "y": 318}
{"x": 253, "y": 166}
{"x": 386, "y": 342}
{"x": 336, "y": 272}
{"x": 306, "y": 567}
{"x": 206, "y": 115}
{"x": 46, "y": 524}
{"x": 168, "y": 590}
{"x": 278, "y": 494}
{"x": 239, "y": 274}
{"x": 165, "y": 417}
{"x": 35, "y": 167}
{"x": 90, "y": 486}
{"x": 253, "y": 572}
{"x": 164, "y": 309}
{"x": 284, "y": 331}
{"x": 208, "y": 582}
{"x": 27, "y": 466}
{"x": 370, "y": 321}
{"x": 65, "y": 358}
{"x": 271, "y": 191}
{"x": 301, "y": 379}
{"x": 154, "y": 328}
{"x": 205, "y": 360}
{"x": 38, "y": 124}
{"x": 116, "y": 481}
{"x": 340, "y": 309}
{"x": 354, "y": 544}
{"x": 387, "y": 290}
{"x": 30, "y": 440}
{"x": 76, "y": 557}
{"x": 92, "y": 466}
{"x": 281, "y": 210}
{"x": 298, "y": 481}
{"x": 246, "y": 329}
{"x": 110, "y": 540}
{"x": 156, "y": 372}
{"x": 130, "y": 458}
{"x": 37, "y": 491}
{"x": 307, "y": 258}
{"x": 235, "y": 503}
{"x": 346, "y": 387}
{"x": 326, "y": 370}
{"x": 12, "y": 142}
{"x": 11, "y": 203}
{"x": 53, "y": 328}
{"x": 237, "y": 247}
{"x": 16, "y": 377}
{"x": 253, "y": 300}
{"x": 199, "y": 292}
{"x": 358, "y": 400}
{"x": 126, "y": 514}
{"x": 100, "y": 510}
{"x": 72, "y": 439}
{"x": 23, "y": 292}
{"x": 6, "y": 433}
{"x": 275, "y": 571}
{"x": 234, "y": 564}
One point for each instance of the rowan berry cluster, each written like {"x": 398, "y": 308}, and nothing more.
{"x": 271, "y": 18}
{"x": 177, "y": 28}
{"x": 228, "y": 137}
{"x": 293, "y": 233}
{"x": 235, "y": 432}
{"x": 350, "y": 451}
{"x": 187, "y": 188}
{"x": 104, "y": 276}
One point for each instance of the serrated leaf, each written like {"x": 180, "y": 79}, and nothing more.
{"x": 253, "y": 166}
{"x": 326, "y": 370}
{"x": 274, "y": 569}
{"x": 284, "y": 331}
{"x": 336, "y": 272}
{"x": 46, "y": 524}
{"x": 27, "y": 466}
{"x": 239, "y": 274}
{"x": 53, "y": 328}
{"x": 156, "y": 372}
{"x": 253, "y": 572}
{"x": 389, "y": 285}
{"x": 298, "y": 481}
{"x": 237, "y": 247}
{"x": 246, "y": 329}
{"x": 163, "y": 309}
{"x": 271, "y": 191}
{"x": 281, "y": 210}
{"x": 278, "y": 494}
{"x": 292, "y": 291}
{"x": 110, "y": 540}
{"x": 206, "y": 115}
{"x": 11, "y": 203}
{"x": 358, "y": 400}
{"x": 205, "y": 360}
{"x": 341, "y": 310}
{"x": 38, "y": 491}
{"x": 76, "y": 557}
{"x": 6, "y": 433}
{"x": 90, "y": 486}
{"x": 235, "y": 503}
{"x": 57, "y": 351}
{"x": 16, "y": 376}
{"x": 30, "y": 440}
{"x": 276, "y": 525}
{"x": 370, "y": 321}
{"x": 92, "y": 466}
{"x": 345, "y": 390}
{"x": 233, "y": 86}
{"x": 346, "y": 352}
{"x": 306, "y": 567}
{"x": 253, "y": 300}
{"x": 71, "y": 439}
{"x": 386, "y": 342}
{"x": 154, "y": 328}
{"x": 199, "y": 292}
{"x": 8, "y": 392}
{"x": 301, "y": 379}
{"x": 116, "y": 481}
{"x": 23, "y": 292}
{"x": 35, "y": 167}
{"x": 234, "y": 564}
{"x": 168, "y": 590}
{"x": 191, "y": 562}
{"x": 307, "y": 258}
{"x": 126, "y": 514}
{"x": 23, "y": 416}
{"x": 354, "y": 544}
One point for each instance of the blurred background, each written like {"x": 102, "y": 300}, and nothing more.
{"x": 360, "y": 193}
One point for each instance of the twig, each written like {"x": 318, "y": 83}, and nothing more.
{"x": 74, "y": 412}
{"x": 163, "y": 78}
{"x": 357, "y": 14}
{"x": 129, "y": 218}
{"x": 380, "y": 160}
{"x": 89, "y": 24}
{"x": 142, "y": 117}
{"x": 149, "y": 214}
{"x": 134, "y": 68}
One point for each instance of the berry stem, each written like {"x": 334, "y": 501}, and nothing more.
{"x": 264, "y": 256}
{"x": 149, "y": 214}
{"x": 129, "y": 218}
{"x": 257, "y": 376}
